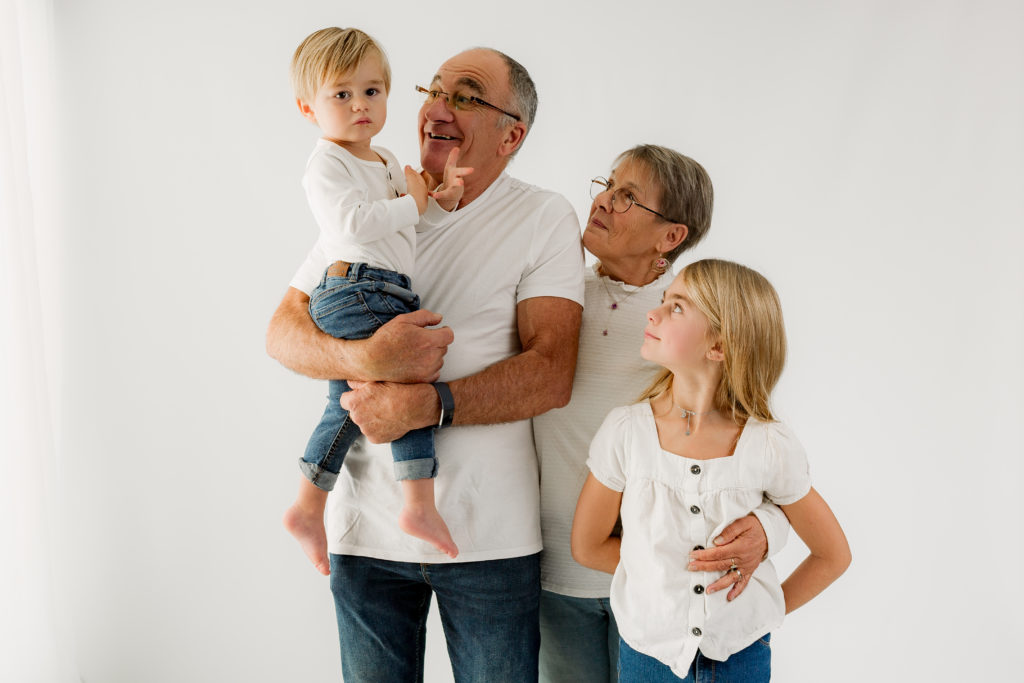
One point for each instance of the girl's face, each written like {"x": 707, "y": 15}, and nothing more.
{"x": 676, "y": 336}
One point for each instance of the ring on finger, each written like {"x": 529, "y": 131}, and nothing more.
{"x": 739, "y": 575}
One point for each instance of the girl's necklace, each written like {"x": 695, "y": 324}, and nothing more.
{"x": 683, "y": 412}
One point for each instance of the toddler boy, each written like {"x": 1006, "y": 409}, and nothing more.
{"x": 367, "y": 210}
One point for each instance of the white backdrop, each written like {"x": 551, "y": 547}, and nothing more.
{"x": 867, "y": 157}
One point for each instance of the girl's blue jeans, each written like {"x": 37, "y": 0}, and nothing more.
{"x": 354, "y": 307}
{"x": 752, "y": 664}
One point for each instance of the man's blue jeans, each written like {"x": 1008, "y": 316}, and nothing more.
{"x": 752, "y": 664}
{"x": 354, "y": 307}
{"x": 488, "y": 609}
{"x": 579, "y": 640}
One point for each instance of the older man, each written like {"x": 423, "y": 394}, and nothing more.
{"x": 505, "y": 270}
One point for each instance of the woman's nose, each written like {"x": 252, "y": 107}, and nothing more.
{"x": 604, "y": 200}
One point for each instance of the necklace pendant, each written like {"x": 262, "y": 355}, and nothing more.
{"x": 604, "y": 333}
{"x": 614, "y": 306}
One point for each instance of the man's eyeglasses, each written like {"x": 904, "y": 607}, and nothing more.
{"x": 460, "y": 101}
{"x": 622, "y": 198}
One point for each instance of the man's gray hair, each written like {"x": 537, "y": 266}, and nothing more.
{"x": 524, "y": 93}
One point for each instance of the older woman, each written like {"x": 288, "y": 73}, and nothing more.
{"x": 655, "y": 205}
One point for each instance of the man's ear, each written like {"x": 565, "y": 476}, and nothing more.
{"x": 715, "y": 353}
{"x": 306, "y": 111}
{"x": 513, "y": 138}
{"x": 673, "y": 237}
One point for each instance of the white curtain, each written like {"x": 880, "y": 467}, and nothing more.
{"x": 34, "y": 641}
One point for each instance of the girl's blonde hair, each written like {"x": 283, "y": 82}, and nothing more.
{"x": 745, "y": 317}
{"x": 329, "y": 53}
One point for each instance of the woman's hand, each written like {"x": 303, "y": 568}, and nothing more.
{"x": 742, "y": 545}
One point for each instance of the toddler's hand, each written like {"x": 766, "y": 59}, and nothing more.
{"x": 417, "y": 188}
{"x": 449, "y": 192}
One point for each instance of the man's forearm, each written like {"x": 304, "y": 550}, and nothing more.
{"x": 532, "y": 382}
{"x": 405, "y": 349}
{"x": 294, "y": 340}
{"x": 515, "y": 389}
{"x": 527, "y": 384}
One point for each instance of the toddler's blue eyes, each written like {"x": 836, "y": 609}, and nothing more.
{"x": 342, "y": 96}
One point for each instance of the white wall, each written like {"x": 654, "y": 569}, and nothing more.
{"x": 866, "y": 157}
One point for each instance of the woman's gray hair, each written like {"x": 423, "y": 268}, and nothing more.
{"x": 687, "y": 196}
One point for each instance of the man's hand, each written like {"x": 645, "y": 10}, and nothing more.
{"x": 405, "y": 350}
{"x": 743, "y": 544}
{"x": 385, "y": 411}
{"x": 402, "y": 350}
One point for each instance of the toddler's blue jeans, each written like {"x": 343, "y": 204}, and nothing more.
{"x": 354, "y": 307}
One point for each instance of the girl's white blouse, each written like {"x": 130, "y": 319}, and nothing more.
{"x": 672, "y": 504}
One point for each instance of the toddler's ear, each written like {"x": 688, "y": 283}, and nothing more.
{"x": 306, "y": 111}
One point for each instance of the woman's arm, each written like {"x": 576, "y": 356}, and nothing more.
{"x": 596, "y": 513}
{"x": 814, "y": 523}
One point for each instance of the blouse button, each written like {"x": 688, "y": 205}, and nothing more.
{"x": 694, "y": 509}
{"x": 695, "y": 631}
{"x": 695, "y": 469}
{"x": 698, "y": 589}
{"x": 698, "y": 547}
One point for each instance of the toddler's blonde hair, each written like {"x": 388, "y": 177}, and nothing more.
{"x": 329, "y": 53}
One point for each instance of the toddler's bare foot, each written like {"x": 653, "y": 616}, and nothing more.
{"x": 424, "y": 522}
{"x": 307, "y": 526}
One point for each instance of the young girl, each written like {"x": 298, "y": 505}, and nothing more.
{"x": 702, "y": 450}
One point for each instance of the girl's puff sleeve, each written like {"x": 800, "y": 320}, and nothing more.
{"x": 787, "y": 477}
{"x": 608, "y": 449}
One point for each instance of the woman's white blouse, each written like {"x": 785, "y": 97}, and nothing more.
{"x": 672, "y": 504}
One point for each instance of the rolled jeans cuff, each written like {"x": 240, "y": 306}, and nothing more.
{"x": 419, "y": 468}
{"x": 318, "y": 476}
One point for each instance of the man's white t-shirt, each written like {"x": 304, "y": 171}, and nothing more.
{"x": 474, "y": 265}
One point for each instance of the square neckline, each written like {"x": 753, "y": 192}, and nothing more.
{"x": 649, "y": 412}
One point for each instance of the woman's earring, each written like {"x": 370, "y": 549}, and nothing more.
{"x": 660, "y": 264}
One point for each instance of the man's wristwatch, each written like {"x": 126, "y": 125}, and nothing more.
{"x": 447, "y": 404}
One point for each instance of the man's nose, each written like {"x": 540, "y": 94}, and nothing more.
{"x": 438, "y": 110}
